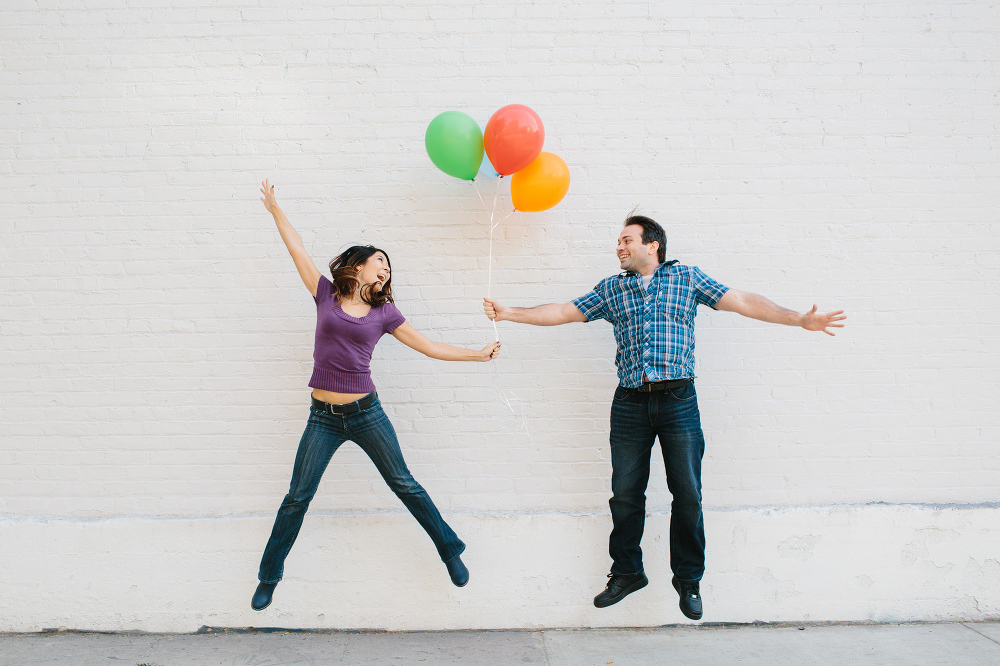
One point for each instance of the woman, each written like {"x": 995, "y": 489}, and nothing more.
{"x": 352, "y": 313}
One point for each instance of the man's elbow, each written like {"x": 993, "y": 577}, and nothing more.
{"x": 570, "y": 313}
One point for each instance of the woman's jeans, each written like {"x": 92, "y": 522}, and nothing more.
{"x": 370, "y": 429}
{"x": 636, "y": 420}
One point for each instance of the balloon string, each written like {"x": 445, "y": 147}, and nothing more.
{"x": 489, "y": 270}
{"x": 485, "y": 207}
{"x": 505, "y": 396}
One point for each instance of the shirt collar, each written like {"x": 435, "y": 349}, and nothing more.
{"x": 663, "y": 266}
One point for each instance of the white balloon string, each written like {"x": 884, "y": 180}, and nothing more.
{"x": 505, "y": 396}
{"x": 489, "y": 269}
{"x": 485, "y": 207}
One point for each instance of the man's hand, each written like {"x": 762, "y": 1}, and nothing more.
{"x": 812, "y": 321}
{"x": 494, "y": 310}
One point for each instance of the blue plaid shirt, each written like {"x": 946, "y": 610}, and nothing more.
{"x": 654, "y": 327}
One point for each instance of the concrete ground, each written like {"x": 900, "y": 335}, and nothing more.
{"x": 857, "y": 645}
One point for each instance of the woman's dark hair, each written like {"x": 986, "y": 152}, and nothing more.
{"x": 651, "y": 231}
{"x": 344, "y": 269}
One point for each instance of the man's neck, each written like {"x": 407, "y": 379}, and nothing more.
{"x": 648, "y": 269}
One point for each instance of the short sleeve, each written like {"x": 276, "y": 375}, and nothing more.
{"x": 592, "y": 305}
{"x": 392, "y": 318}
{"x": 707, "y": 291}
{"x": 324, "y": 290}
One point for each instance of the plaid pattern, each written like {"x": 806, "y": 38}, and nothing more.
{"x": 654, "y": 328}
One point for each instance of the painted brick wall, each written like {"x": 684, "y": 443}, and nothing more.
{"x": 155, "y": 341}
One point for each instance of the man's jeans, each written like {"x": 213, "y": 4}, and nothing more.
{"x": 372, "y": 431}
{"x": 636, "y": 420}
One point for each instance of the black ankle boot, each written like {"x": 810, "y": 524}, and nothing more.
{"x": 262, "y": 597}
{"x": 458, "y": 572}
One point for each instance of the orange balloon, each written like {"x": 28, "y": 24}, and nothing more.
{"x": 513, "y": 138}
{"x": 540, "y": 185}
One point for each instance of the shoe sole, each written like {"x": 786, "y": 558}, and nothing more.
{"x": 690, "y": 616}
{"x": 628, "y": 590}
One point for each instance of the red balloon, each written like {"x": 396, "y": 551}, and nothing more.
{"x": 513, "y": 138}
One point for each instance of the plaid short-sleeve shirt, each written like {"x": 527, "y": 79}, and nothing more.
{"x": 654, "y": 327}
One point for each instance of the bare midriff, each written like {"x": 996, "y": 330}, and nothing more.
{"x": 335, "y": 398}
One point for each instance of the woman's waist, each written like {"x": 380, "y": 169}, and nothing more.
{"x": 336, "y": 397}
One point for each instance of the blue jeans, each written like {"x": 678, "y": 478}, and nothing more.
{"x": 636, "y": 420}
{"x": 371, "y": 430}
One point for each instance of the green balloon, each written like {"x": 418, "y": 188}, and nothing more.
{"x": 455, "y": 144}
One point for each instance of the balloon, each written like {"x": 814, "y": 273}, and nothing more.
{"x": 540, "y": 185}
{"x": 455, "y": 144}
{"x": 486, "y": 169}
{"x": 513, "y": 138}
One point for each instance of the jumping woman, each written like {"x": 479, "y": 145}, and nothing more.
{"x": 352, "y": 313}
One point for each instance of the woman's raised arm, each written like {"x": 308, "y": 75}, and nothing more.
{"x": 303, "y": 262}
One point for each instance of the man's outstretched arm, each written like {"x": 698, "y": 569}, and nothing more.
{"x": 758, "y": 307}
{"x": 551, "y": 314}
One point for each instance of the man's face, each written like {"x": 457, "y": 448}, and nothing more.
{"x": 632, "y": 254}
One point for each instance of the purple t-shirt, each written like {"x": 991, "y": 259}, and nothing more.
{"x": 343, "y": 352}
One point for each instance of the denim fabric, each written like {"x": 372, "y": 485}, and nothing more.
{"x": 636, "y": 420}
{"x": 371, "y": 430}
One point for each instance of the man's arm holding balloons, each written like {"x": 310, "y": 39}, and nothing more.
{"x": 550, "y": 314}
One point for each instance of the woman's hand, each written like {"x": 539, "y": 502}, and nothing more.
{"x": 489, "y": 352}
{"x": 270, "y": 203}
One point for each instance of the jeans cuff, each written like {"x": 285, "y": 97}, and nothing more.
{"x": 462, "y": 550}
{"x": 637, "y": 573}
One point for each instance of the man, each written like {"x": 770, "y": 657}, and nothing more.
{"x": 652, "y": 306}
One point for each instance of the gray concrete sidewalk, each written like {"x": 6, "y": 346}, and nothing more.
{"x": 856, "y": 645}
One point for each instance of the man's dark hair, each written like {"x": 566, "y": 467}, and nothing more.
{"x": 651, "y": 231}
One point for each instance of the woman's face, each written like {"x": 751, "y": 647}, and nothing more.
{"x": 374, "y": 271}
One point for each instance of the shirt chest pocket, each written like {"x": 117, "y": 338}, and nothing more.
{"x": 672, "y": 306}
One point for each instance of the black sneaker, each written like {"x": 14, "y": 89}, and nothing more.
{"x": 620, "y": 587}
{"x": 690, "y": 594}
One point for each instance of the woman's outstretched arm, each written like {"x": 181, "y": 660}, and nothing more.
{"x": 413, "y": 339}
{"x": 303, "y": 262}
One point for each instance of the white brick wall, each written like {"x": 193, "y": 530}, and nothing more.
{"x": 155, "y": 342}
